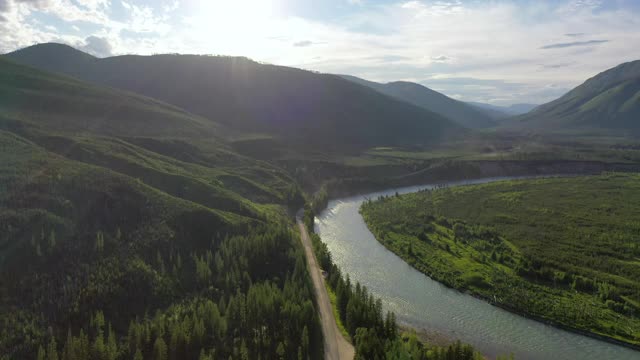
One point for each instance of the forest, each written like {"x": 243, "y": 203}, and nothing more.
{"x": 111, "y": 250}
{"x": 564, "y": 250}
{"x": 222, "y": 301}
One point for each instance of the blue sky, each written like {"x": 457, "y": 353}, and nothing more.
{"x": 499, "y": 52}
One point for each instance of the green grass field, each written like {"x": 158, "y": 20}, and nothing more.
{"x": 562, "y": 249}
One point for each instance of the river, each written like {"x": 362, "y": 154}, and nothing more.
{"x": 423, "y": 303}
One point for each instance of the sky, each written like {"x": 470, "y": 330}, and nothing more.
{"x": 497, "y": 52}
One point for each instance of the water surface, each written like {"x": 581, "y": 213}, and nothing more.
{"x": 422, "y": 302}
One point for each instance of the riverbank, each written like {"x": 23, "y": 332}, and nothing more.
{"x": 482, "y": 263}
{"x": 426, "y": 304}
{"x": 452, "y": 170}
{"x": 443, "y": 339}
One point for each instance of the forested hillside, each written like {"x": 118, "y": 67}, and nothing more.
{"x": 149, "y": 241}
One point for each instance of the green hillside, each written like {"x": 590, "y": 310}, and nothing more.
{"x": 608, "y": 103}
{"x": 301, "y": 107}
{"x": 59, "y": 103}
{"x": 138, "y": 233}
{"x": 416, "y": 94}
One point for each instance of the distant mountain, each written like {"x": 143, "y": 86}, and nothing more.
{"x": 517, "y": 109}
{"x": 609, "y": 101}
{"x": 311, "y": 109}
{"x": 501, "y": 112}
{"x": 426, "y": 98}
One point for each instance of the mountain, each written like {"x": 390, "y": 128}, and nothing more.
{"x": 60, "y": 103}
{"x": 517, "y": 109}
{"x": 501, "y": 112}
{"x": 426, "y": 98}
{"x": 296, "y": 106}
{"x": 129, "y": 225}
{"x": 608, "y": 102}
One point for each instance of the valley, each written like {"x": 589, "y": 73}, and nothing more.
{"x": 147, "y": 209}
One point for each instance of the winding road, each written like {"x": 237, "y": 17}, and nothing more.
{"x": 336, "y": 347}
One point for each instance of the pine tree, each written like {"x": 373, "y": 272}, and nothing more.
{"x": 99, "y": 245}
{"x": 280, "y": 351}
{"x": 305, "y": 342}
{"x": 52, "y": 350}
{"x": 52, "y": 240}
{"x": 138, "y": 355}
{"x": 68, "y": 352}
{"x": 160, "y": 349}
{"x": 160, "y": 262}
{"x": 112, "y": 346}
{"x": 244, "y": 352}
{"x": 83, "y": 351}
{"x": 41, "y": 354}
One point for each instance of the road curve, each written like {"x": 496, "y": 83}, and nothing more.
{"x": 336, "y": 347}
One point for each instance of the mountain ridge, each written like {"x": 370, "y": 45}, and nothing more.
{"x": 607, "y": 102}
{"x": 432, "y": 100}
{"x": 320, "y": 110}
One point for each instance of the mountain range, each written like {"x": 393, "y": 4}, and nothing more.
{"x": 500, "y": 112}
{"x": 315, "y": 110}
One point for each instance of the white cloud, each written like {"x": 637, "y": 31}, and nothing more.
{"x": 97, "y": 46}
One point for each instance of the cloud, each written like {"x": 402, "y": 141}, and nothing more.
{"x": 440, "y": 58}
{"x": 557, "y": 66}
{"x": 303, "y": 43}
{"x": 306, "y": 43}
{"x": 575, "y": 43}
{"x": 7, "y": 6}
{"x": 574, "y": 34}
{"x": 97, "y": 46}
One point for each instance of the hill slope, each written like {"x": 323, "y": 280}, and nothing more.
{"x": 131, "y": 233}
{"x": 60, "y": 103}
{"x": 608, "y": 102}
{"x": 426, "y": 98}
{"x": 295, "y": 105}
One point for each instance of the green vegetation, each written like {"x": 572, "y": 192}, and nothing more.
{"x": 373, "y": 333}
{"x": 134, "y": 228}
{"x": 336, "y": 314}
{"x": 560, "y": 249}
{"x": 32, "y": 98}
{"x": 607, "y": 103}
{"x": 156, "y": 241}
